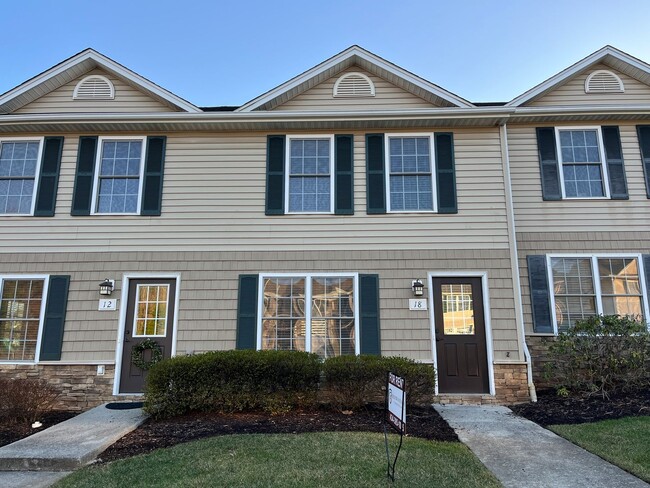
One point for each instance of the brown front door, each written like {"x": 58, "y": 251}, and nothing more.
{"x": 149, "y": 315}
{"x": 460, "y": 335}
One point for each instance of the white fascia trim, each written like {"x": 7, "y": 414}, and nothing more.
{"x": 487, "y": 319}
{"x": 104, "y": 62}
{"x": 339, "y": 58}
{"x": 576, "y": 68}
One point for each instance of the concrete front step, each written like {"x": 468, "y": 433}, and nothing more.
{"x": 70, "y": 444}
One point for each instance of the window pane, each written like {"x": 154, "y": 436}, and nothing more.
{"x": 151, "y": 310}
{"x": 581, "y": 180}
{"x": 20, "y": 307}
{"x": 119, "y": 177}
{"x": 619, "y": 285}
{"x": 574, "y": 290}
{"x": 458, "y": 309}
{"x": 309, "y": 175}
{"x": 18, "y": 162}
{"x": 283, "y": 324}
{"x": 410, "y": 174}
{"x": 332, "y": 319}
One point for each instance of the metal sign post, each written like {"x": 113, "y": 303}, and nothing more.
{"x": 395, "y": 416}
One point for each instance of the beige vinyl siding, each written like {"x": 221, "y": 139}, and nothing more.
{"x": 127, "y": 99}
{"x": 207, "y": 314}
{"x": 532, "y": 243}
{"x": 573, "y": 92}
{"x": 532, "y": 214}
{"x": 387, "y": 97}
{"x": 214, "y": 197}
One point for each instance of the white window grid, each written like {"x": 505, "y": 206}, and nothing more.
{"x": 596, "y": 281}
{"x": 308, "y": 299}
{"x": 432, "y": 161}
{"x": 45, "y": 279}
{"x": 37, "y": 172}
{"x": 97, "y": 179}
{"x": 603, "y": 165}
{"x": 146, "y": 303}
{"x": 287, "y": 182}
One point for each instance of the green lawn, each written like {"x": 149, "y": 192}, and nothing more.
{"x": 624, "y": 442}
{"x": 344, "y": 459}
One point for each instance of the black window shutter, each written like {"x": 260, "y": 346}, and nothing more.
{"x": 344, "y": 175}
{"x": 539, "y": 294}
{"x": 375, "y": 174}
{"x": 84, "y": 178}
{"x": 615, "y": 165}
{"x": 48, "y": 180}
{"x": 548, "y": 164}
{"x": 369, "y": 314}
{"x": 643, "y": 132}
{"x": 247, "y": 312}
{"x": 153, "y": 175}
{"x": 275, "y": 152}
{"x": 54, "y": 320}
{"x": 445, "y": 172}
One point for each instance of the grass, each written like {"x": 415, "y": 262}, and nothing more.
{"x": 329, "y": 459}
{"x": 623, "y": 442}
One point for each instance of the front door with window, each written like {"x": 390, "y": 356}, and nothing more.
{"x": 460, "y": 335}
{"x": 149, "y": 315}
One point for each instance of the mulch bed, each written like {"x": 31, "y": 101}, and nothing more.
{"x": 13, "y": 432}
{"x": 553, "y": 409}
{"x": 421, "y": 422}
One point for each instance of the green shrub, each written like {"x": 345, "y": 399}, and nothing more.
{"x": 353, "y": 381}
{"x": 229, "y": 381}
{"x": 25, "y": 400}
{"x": 602, "y": 355}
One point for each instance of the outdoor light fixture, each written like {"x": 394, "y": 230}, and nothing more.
{"x": 106, "y": 287}
{"x": 417, "y": 287}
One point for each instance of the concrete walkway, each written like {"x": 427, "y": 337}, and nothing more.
{"x": 524, "y": 455}
{"x": 45, "y": 457}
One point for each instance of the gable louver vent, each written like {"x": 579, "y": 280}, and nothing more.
{"x": 354, "y": 85}
{"x": 94, "y": 87}
{"x": 603, "y": 81}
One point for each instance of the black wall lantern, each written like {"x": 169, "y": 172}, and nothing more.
{"x": 418, "y": 288}
{"x": 106, "y": 287}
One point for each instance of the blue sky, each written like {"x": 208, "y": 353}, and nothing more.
{"x": 226, "y": 53}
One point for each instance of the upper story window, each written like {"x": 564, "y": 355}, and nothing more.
{"x": 410, "y": 175}
{"x": 22, "y": 308}
{"x": 94, "y": 87}
{"x": 313, "y": 313}
{"x": 584, "y": 286}
{"x": 19, "y": 167}
{"x": 118, "y": 182}
{"x": 310, "y": 174}
{"x": 354, "y": 85}
{"x": 604, "y": 81}
{"x": 581, "y": 156}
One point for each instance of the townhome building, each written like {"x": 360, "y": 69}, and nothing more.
{"x": 355, "y": 209}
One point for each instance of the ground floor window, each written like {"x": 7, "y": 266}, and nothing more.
{"x": 313, "y": 313}
{"x": 21, "y": 313}
{"x": 584, "y": 286}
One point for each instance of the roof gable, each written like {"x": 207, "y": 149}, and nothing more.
{"x": 368, "y": 62}
{"x": 77, "y": 66}
{"x": 608, "y": 57}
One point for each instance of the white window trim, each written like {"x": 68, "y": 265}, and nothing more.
{"x": 308, "y": 279}
{"x": 98, "y": 161}
{"x": 432, "y": 159}
{"x": 75, "y": 93}
{"x": 135, "y": 314}
{"x": 335, "y": 91}
{"x": 46, "y": 283}
{"x": 596, "y": 277}
{"x": 37, "y": 174}
{"x": 603, "y": 161}
{"x": 287, "y": 172}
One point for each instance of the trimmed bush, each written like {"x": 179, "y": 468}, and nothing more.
{"x": 601, "y": 355}
{"x": 353, "y": 381}
{"x": 227, "y": 381}
{"x": 25, "y": 400}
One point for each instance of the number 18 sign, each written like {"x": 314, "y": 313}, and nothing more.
{"x": 396, "y": 403}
